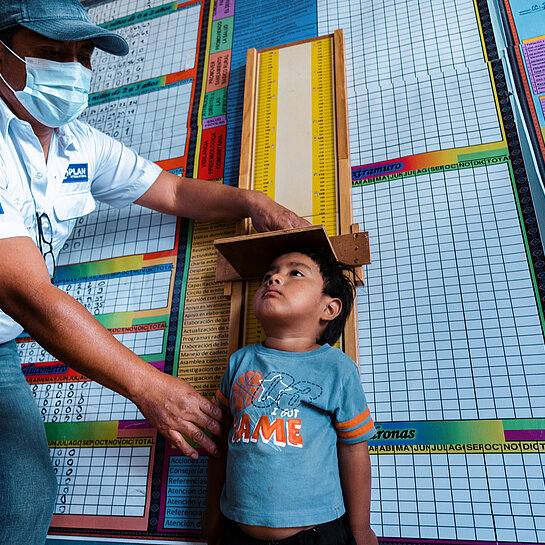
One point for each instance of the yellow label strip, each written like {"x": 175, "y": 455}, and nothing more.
{"x": 265, "y": 132}
{"x": 324, "y": 184}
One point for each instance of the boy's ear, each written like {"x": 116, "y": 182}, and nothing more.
{"x": 332, "y": 309}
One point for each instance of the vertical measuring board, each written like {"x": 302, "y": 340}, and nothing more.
{"x": 294, "y": 126}
{"x": 294, "y": 159}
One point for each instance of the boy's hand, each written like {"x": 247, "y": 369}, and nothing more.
{"x": 213, "y": 519}
{"x": 365, "y": 537}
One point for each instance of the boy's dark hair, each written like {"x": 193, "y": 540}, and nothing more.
{"x": 338, "y": 283}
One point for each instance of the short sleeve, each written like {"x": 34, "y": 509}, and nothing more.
{"x": 353, "y": 421}
{"x": 121, "y": 176}
{"x": 221, "y": 397}
{"x": 224, "y": 391}
{"x": 12, "y": 223}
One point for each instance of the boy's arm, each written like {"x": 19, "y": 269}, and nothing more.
{"x": 355, "y": 471}
{"x": 212, "y": 520}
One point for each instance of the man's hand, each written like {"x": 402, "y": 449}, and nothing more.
{"x": 268, "y": 215}
{"x": 175, "y": 408}
{"x": 68, "y": 331}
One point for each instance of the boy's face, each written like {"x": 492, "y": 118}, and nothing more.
{"x": 291, "y": 299}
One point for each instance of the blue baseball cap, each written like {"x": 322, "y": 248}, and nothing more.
{"x": 63, "y": 20}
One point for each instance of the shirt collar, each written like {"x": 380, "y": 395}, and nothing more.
{"x": 6, "y": 115}
{"x": 64, "y": 134}
{"x": 65, "y": 137}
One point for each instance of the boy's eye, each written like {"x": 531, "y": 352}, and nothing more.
{"x": 295, "y": 272}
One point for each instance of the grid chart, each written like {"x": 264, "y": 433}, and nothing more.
{"x": 486, "y": 497}
{"x": 448, "y": 322}
{"x": 109, "y": 481}
{"x": 109, "y": 11}
{"x": 121, "y": 294}
{"x": 159, "y": 46}
{"x": 111, "y": 232}
{"x": 142, "y": 343}
{"x": 154, "y": 124}
{"x": 416, "y": 76}
{"x": 83, "y": 401}
{"x": 423, "y": 113}
{"x": 388, "y": 39}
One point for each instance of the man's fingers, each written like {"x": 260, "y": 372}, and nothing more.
{"x": 198, "y": 437}
{"x": 181, "y": 444}
{"x": 293, "y": 220}
{"x": 212, "y": 410}
{"x": 175, "y": 408}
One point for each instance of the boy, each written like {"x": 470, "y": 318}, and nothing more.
{"x": 298, "y": 442}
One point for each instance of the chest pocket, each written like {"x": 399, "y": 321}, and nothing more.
{"x": 73, "y": 204}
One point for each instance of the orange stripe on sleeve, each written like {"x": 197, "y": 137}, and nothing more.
{"x": 357, "y": 433}
{"x": 222, "y": 399}
{"x": 354, "y": 422}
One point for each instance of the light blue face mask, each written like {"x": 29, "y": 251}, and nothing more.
{"x": 55, "y": 92}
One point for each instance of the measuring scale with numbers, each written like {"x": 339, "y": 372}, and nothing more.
{"x": 295, "y": 137}
{"x": 294, "y": 145}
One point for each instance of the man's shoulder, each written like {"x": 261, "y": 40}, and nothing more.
{"x": 80, "y": 130}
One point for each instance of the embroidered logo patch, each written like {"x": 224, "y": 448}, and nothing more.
{"x": 78, "y": 172}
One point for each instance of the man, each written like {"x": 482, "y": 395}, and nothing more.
{"x": 45, "y": 69}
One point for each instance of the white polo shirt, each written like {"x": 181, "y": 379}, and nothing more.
{"x": 83, "y": 164}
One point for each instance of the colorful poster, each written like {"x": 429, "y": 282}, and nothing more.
{"x": 524, "y": 22}
{"x": 450, "y": 319}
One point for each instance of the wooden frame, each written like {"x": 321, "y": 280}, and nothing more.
{"x": 235, "y": 288}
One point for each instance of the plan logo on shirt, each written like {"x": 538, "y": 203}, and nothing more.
{"x": 77, "y": 172}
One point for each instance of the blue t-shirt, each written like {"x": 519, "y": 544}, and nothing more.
{"x": 289, "y": 410}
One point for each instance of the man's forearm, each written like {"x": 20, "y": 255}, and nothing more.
{"x": 65, "y": 328}
{"x": 68, "y": 331}
{"x": 197, "y": 199}
{"x": 216, "y": 202}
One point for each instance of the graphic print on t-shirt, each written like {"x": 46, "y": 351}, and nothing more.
{"x": 282, "y": 394}
{"x": 245, "y": 388}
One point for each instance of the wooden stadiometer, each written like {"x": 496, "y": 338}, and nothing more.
{"x": 295, "y": 149}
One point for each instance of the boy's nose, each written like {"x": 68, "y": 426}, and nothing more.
{"x": 275, "y": 279}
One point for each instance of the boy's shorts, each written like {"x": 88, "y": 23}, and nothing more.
{"x": 336, "y": 532}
